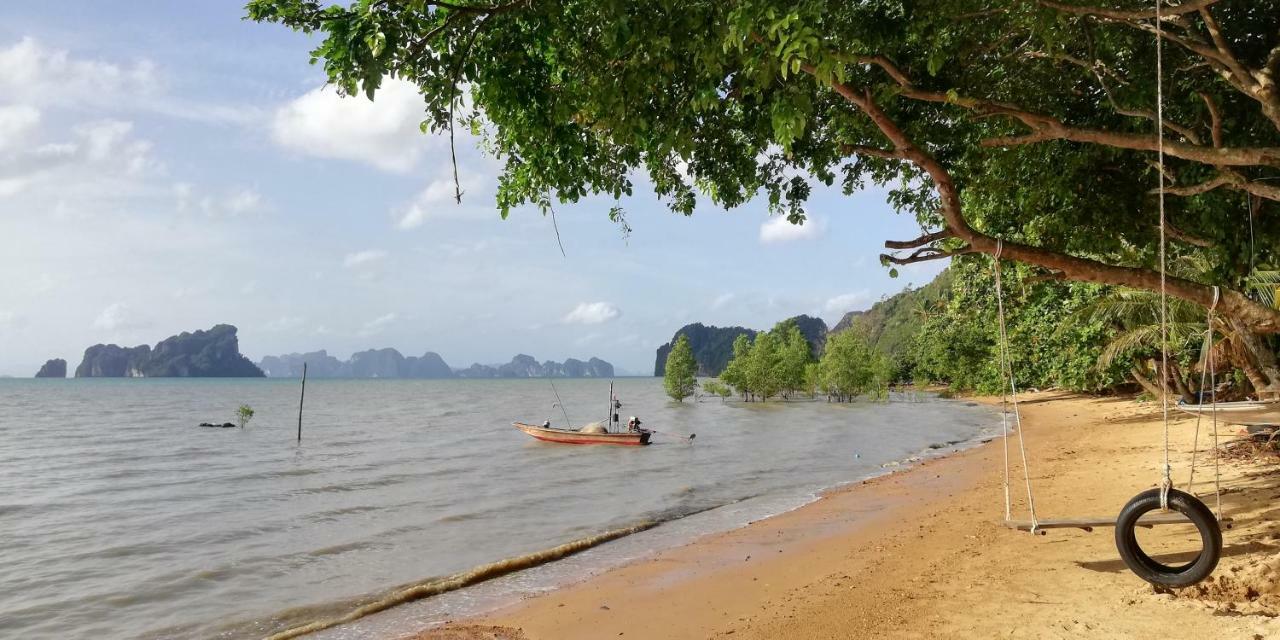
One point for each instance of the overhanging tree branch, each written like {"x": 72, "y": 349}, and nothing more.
{"x": 924, "y": 254}
{"x": 918, "y": 242}
{"x": 1257, "y": 317}
{"x": 1191, "y": 6}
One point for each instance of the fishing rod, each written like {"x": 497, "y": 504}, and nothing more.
{"x": 559, "y": 403}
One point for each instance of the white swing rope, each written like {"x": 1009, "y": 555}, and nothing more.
{"x": 1166, "y": 482}
{"x": 1006, "y": 369}
{"x": 1207, "y": 365}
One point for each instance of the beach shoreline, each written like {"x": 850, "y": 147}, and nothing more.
{"x": 922, "y": 552}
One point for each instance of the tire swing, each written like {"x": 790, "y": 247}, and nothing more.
{"x": 1173, "y": 506}
{"x": 1164, "y": 505}
{"x": 1165, "y": 498}
{"x": 1159, "y": 506}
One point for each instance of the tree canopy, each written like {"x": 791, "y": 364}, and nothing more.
{"x": 681, "y": 379}
{"x": 1024, "y": 128}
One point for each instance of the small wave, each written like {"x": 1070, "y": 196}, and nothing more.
{"x": 338, "y": 549}
{"x": 6, "y": 509}
{"x": 437, "y": 586}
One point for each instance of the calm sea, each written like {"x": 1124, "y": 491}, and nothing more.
{"x": 119, "y": 518}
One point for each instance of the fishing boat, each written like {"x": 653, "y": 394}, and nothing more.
{"x": 608, "y": 432}
{"x": 1247, "y": 412}
{"x": 576, "y": 436}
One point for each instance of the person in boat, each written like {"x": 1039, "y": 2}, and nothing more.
{"x": 546, "y": 424}
{"x": 633, "y": 425}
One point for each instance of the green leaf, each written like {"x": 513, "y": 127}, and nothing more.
{"x": 377, "y": 42}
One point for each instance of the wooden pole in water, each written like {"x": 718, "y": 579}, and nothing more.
{"x": 301, "y": 398}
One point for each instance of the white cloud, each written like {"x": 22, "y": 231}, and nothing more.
{"x": 16, "y": 121}
{"x": 778, "y": 229}
{"x": 722, "y": 300}
{"x": 376, "y": 325}
{"x": 236, "y": 202}
{"x": 363, "y": 257}
{"x": 116, "y": 316}
{"x": 440, "y": 198}
{"x": 100, "y": 162}
{"x": 52, "y": 76}
{"x": 7, "y": 318}
{"x": 243, "y": 201}
{"x": 847, "y": 302}
{"x": 384, "y": 133}
{"x": 283, "y": 323}
{"x": 45, "y": 75}
{"x": 11, "y": 186}
{"x": 592, "y": 313}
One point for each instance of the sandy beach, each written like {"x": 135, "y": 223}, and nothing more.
{"x": 923, "y": 553}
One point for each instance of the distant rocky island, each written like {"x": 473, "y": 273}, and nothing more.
{"x": 55, "y": 368}
{"x": 389, "y": 363}
{"x": 713, "y": 346}
{"x": 214, "y": 353}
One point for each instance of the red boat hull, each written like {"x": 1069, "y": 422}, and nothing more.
{"x": 564, "y": 436}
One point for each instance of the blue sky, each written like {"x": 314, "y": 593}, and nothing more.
{"x": 166, "y": 166}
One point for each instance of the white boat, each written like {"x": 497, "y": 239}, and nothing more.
{"x": 1247, "y": 412}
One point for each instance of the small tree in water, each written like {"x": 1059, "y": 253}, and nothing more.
{"x": 682, "y": 370}
{"x": 717, "y": 388}
{"x": 244, "y": 414}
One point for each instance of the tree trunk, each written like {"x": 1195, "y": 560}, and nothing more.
{"x": 1140, "y": 377}
{"x": 1179, "y": 383}
{"x": 1257, "y": 360}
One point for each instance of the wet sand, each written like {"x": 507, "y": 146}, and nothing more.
{"x": 923, "y": 553}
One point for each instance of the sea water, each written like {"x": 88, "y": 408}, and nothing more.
{"x": 120, "y": 518}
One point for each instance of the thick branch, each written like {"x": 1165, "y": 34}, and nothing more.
{"x": 1191, "y": 6}
{"x": 1215, "y": 119}
{"x": 859, "y": 150}
{"x": 1220, "y": 43}
{"x": 1257, "y": 317}
{"x": 924, "y": 254}
{"x": 1045, "y": 127}
{"x": 918, "y": 242}
{"x": 1183, "y": 236}
{"x": 1227, "y": 178}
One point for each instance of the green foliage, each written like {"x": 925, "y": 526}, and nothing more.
{"x": 812, "y": 379}
{"x": 774, "y": 362}
{"x": 730, "y": 100}
{"x": 1052, "y": 343}
{"x": 244, "y": 414}
{"x": 735, "y": 373}
{"x": 717, "y": 388}
{"x": 733, "y": 99}
{"x": 851, "y": 367}
{"x": 681, "y": 377}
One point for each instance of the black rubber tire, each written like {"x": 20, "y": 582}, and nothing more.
{"x": 1161, "y": 574}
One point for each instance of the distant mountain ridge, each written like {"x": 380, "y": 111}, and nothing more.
{"x": 389, "y": 363}
{"x": 214, "y": 353}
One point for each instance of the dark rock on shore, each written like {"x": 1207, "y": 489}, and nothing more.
{"x": 55, "y": 368}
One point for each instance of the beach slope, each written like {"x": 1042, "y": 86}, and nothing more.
{"x": 923, "y": 553}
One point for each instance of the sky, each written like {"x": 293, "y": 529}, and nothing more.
{"x": 167, "y": 166}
